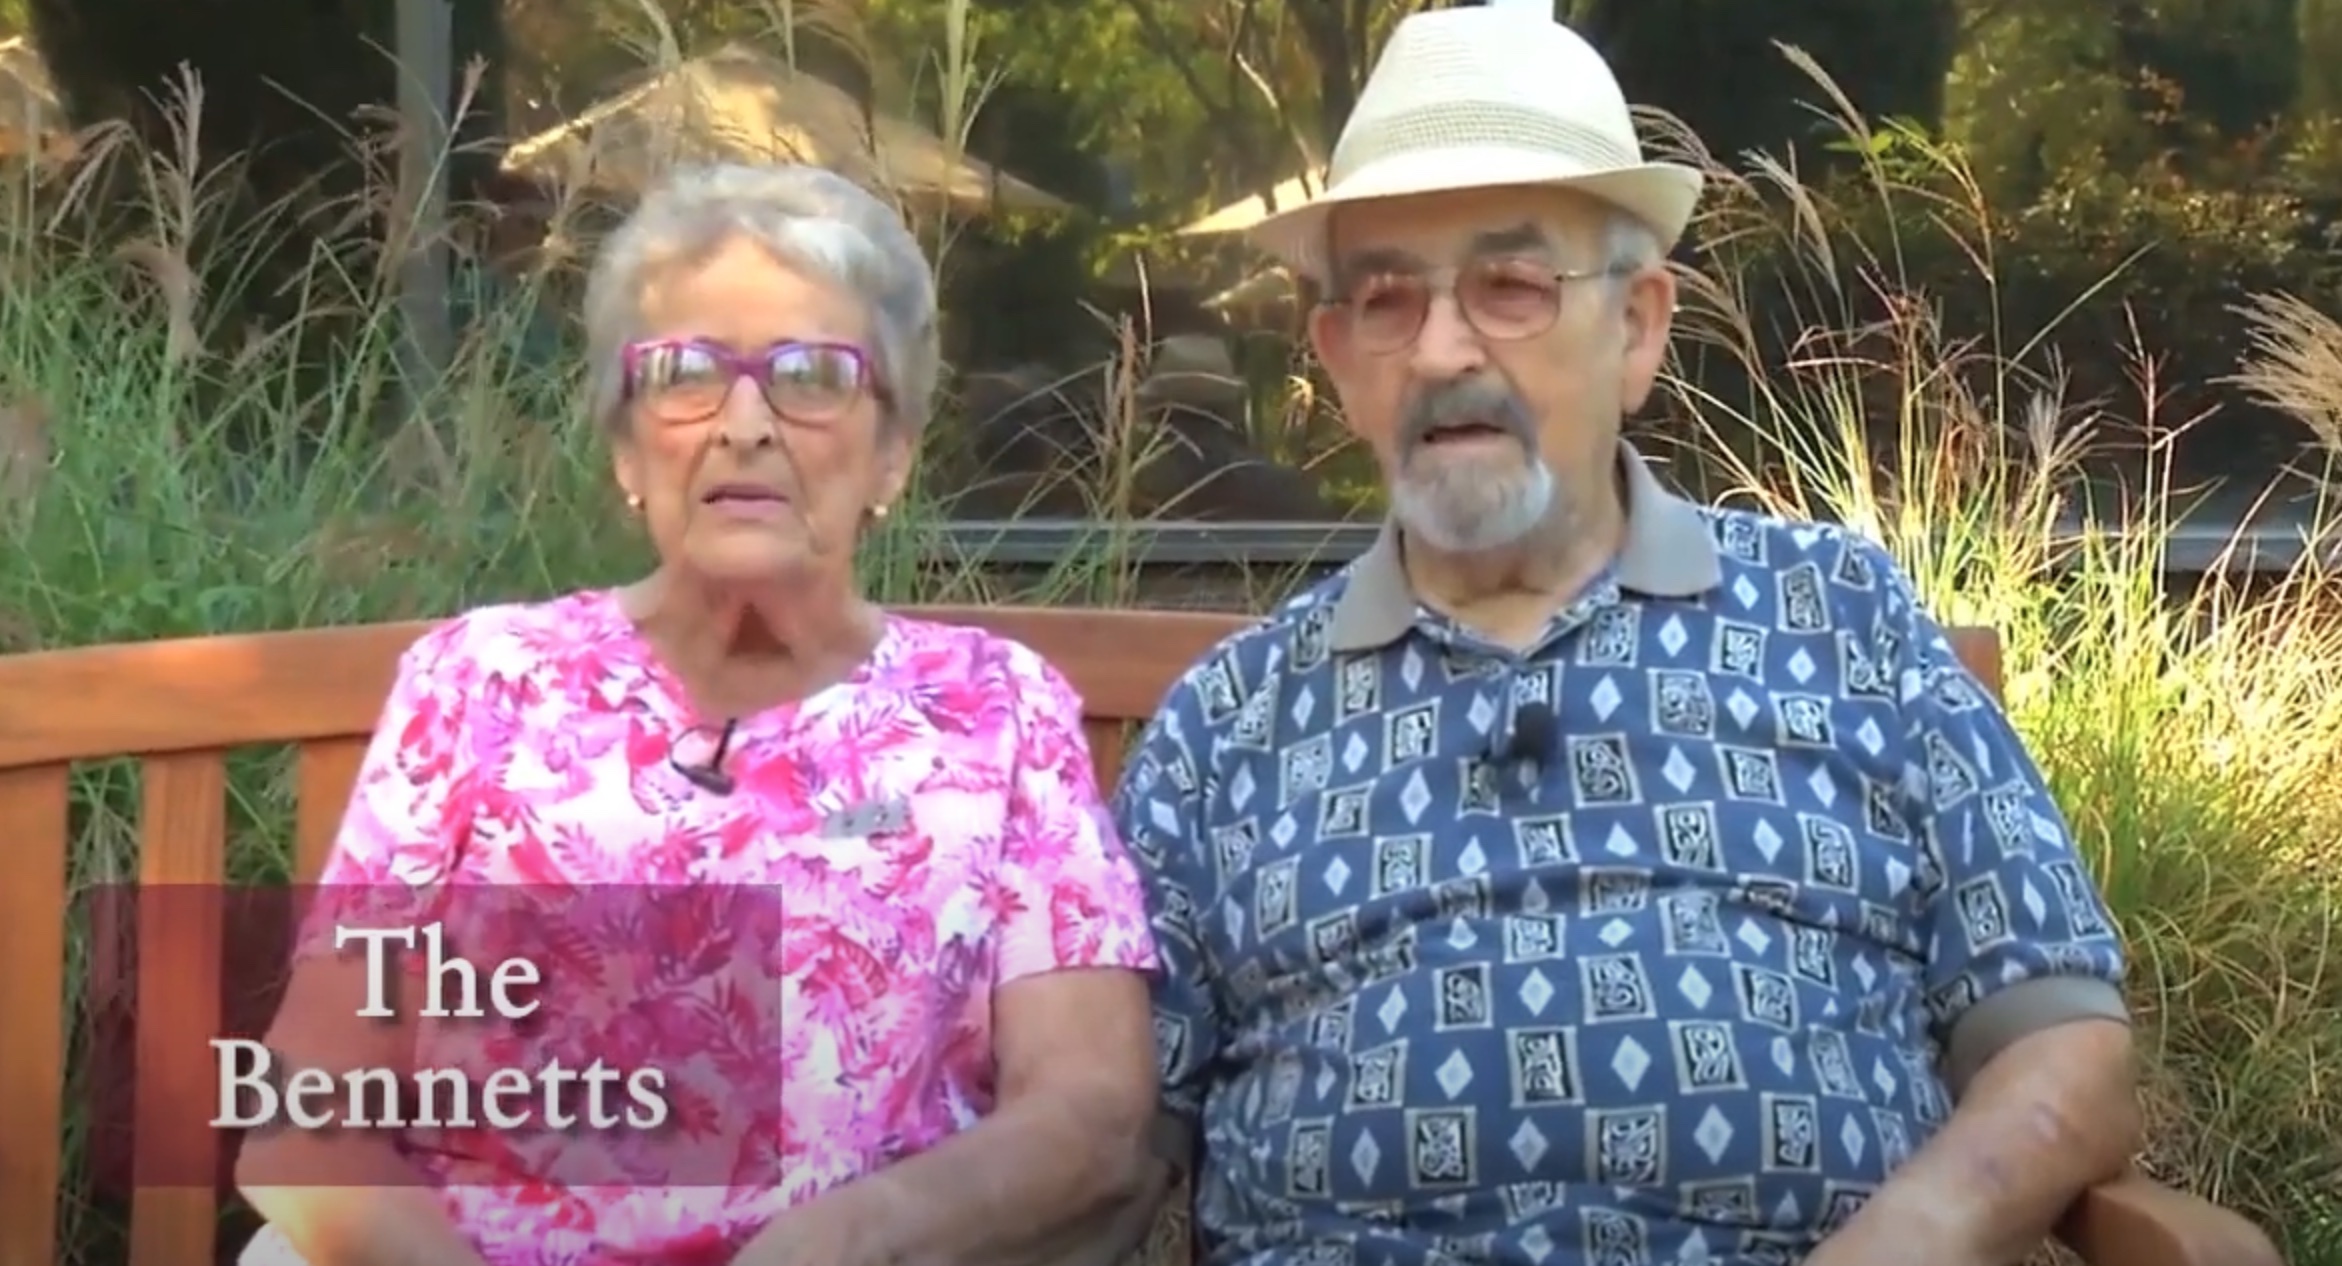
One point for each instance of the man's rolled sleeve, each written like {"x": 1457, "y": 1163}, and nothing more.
{"x": 1158, "y": 812}
{"x": 2018, "y": 937}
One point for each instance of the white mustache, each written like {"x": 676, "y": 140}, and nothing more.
{"x": 1456, "y": 406}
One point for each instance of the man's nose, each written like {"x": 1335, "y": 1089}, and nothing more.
{"x": 1447, "y": 346}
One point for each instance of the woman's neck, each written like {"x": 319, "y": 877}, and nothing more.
{"x": 740, "y": 649}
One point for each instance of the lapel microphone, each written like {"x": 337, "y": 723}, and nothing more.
{"x": 1532, "y": 735}
{"x": 709, "y": 775}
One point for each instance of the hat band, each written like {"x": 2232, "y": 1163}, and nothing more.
{"x": 1479, "y": 124}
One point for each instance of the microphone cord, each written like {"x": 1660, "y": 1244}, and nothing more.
{"x": 709, "y": 775}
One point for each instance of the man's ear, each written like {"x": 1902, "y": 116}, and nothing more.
{"x": 1329, "y": 337}
{"x": 1649, "y": 314}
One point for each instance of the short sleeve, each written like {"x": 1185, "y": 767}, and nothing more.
{"x": 403, "y": 829}
{"x": 1158, "y": 811}
{"x": 1073, "y": 896}
{"x": 2017, "y": 935}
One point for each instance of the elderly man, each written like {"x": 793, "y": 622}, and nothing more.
{"x": 1583, "y": 876}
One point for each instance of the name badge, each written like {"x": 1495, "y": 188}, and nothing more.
{"x": 871, "y": 817}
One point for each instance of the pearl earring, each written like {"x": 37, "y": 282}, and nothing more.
{"x": 878, "y": 512}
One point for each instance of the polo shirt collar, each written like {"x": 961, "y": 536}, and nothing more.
{"x": 1669, "y": 551}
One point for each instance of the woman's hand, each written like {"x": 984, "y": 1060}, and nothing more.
{"x": 343, "y": 1197}
{"x": 845, "y": 1227}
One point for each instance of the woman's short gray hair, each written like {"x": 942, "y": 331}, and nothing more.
{"x": 809, "y": 218}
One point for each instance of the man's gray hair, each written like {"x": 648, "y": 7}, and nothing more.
{"x": 1628, "y": 242}
{"x": 1629, "y": 245}
{"x": 808, "y": 218}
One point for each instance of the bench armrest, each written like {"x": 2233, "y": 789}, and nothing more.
{"x": 2135, "y": 1222}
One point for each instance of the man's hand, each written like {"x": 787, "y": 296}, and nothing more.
{"x": 1917, "y": 1246}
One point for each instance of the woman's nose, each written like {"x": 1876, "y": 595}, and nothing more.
{"x": 746, "y": 420}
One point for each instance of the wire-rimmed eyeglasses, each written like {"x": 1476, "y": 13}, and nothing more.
{"x": 1503, "y": 299}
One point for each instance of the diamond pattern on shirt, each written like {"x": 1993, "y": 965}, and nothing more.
{"x": 1673, "y": 989}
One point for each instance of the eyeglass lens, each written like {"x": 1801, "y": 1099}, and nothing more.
{"x": 688, "y": 381}
{"x": 1503, "y": 299}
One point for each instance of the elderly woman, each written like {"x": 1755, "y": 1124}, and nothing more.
{"x": 960, "y": 1066}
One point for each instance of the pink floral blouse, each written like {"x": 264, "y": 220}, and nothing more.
{"x": 929, "y": 830}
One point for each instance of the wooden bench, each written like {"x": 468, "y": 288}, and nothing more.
{"x": 181, "y": 706}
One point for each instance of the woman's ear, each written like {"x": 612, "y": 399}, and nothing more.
{"x": 896, "y": 456}
{"x": 626, "y": 467}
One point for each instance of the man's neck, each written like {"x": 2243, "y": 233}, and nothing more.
{"x": 1509, "y": 594}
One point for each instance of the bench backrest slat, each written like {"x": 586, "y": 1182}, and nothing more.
{"x": 183, "y": 844}
{"x": 323, "y": 774}
{"x": 202, "y": 694}
{"x": 32, "y": 997}
{"x": 181, "y": 706}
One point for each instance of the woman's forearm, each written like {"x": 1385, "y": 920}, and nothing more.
{"x": 1012, "y": 1185}
{"x": 378, "y": 1213}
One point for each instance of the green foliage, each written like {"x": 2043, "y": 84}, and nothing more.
{"x": 2191, "y": 736}
{"x": 2199, "y": 768}
{"x": 1923, "y": 345}
{"x": 2098, "y": 267}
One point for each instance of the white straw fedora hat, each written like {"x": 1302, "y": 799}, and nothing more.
{"x": 1496, "y": 95}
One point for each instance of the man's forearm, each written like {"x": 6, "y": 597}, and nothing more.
{"x": 2049, "y": 1117}
{"x": 1007, "y": 1189}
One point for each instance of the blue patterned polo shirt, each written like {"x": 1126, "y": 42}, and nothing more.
{"x": 1664, "y": 941}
